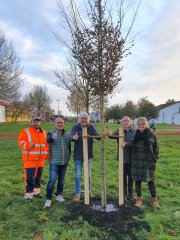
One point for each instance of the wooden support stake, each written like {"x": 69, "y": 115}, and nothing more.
{"x": 85, "y": 155}
{"x": 121, "y": 185}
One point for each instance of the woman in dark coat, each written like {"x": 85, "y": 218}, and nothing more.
{"x": 145, "y": 152}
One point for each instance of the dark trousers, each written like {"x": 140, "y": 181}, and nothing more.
{"x": 151, "y": 185}
{"x": 54, "y": 172}
{"x": 128, "y": 182}
{"x": 33, "y": 178}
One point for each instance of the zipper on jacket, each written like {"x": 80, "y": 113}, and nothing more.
{"x": 62, "y": 150}
{"x": 39, "y": 147}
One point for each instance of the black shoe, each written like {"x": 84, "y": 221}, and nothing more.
{"x": 38, "y": 195}
{"x": 28, "y": 200}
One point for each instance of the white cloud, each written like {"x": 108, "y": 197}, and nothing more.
{"x": 151, "y": 70}
{"x": 24, "y": 44}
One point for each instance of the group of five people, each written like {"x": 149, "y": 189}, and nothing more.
{"x": 140, "y": 153}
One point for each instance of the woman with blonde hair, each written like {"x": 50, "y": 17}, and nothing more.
{"x": 145, "y": 152}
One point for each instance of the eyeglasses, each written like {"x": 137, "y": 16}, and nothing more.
{"x": 59, "y": 122}
{"x": 141, "y": 124}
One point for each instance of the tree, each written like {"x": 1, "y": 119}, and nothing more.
{"x": 95, "y": 107}
{"x": 114, "y": 112}
{"x": 10, "y": 71}
{"x": 75, "y": 103}
{"x": 17, "y": 108}
{"x": 129, "y": 109}
{"x": 146, "y": 108}
{"x": 98, "y": 48}
{"x": 37, "y": 99}
{"x": 170, "y": 101}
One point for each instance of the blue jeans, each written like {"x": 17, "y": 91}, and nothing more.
{"x": 54, "y": 171}
{"x": 33, "y": 178}
{"x": 78, "y": 174}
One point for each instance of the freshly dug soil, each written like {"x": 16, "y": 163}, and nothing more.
{"x": 117, "y": 225}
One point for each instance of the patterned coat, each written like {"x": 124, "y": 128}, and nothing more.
{"x": 144, "y": 158}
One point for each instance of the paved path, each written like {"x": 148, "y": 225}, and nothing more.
{"x": 14, "y": 135}
{"x": 8, "y": 135}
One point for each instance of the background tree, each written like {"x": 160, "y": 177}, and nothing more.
{"x": 129, "y": 109}
{"x": 10, "y": 71}
{"x": 114, "y": 112}
{"x": 146, "y": 108}
{"x": 75, "y": 103}
{"x": 170, "y": 101}
{"x": 17, "y": 108}
{"x": 37, "y": 99}
{"x": 70, "y": 79}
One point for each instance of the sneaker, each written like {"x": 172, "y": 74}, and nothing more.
{"x": 59, "y": 198}
{"x": 28, "y": 197}
{"x": 27, "y": 200}
{"x": 47, "y": 203}
{"x": 77, "y": 198}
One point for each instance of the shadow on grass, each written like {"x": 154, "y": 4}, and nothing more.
{"x": 124, "y": 223}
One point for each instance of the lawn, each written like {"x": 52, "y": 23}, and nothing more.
{"x": 70, "y": 221}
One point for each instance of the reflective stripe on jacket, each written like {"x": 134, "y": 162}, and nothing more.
{"x": 33, "y": 157}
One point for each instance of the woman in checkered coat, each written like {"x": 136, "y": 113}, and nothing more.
{"x": 145, "y": 152}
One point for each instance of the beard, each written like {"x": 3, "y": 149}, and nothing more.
{"x": 36, "y": 126}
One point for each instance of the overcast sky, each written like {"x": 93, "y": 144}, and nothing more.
{"x": 151, "y": 70}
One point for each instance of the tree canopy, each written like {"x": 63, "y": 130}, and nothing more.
{"x": 37, "y": 98}
{"x": 10, "y": 71}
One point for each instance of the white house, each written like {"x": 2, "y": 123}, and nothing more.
{"x": 2, "y": 110}
{"x": 169, "y": 113}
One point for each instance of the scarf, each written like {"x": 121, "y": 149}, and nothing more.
{"x": 143, "y": 136}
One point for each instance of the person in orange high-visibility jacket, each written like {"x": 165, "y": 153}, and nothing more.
{"x": 32, "y": 142}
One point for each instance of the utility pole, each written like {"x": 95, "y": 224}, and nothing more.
{"x": 58, "y": 100}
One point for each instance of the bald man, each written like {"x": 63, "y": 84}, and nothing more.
{"x": 128, "y": 136}
{"x": 59, "y": 156}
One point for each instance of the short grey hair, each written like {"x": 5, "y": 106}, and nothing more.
{"x": 82, "y": 115}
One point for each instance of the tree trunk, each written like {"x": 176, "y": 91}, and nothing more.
{"x": 103, "y": 170}
{"x": 100, "y": 49}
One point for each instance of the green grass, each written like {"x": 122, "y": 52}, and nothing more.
{"x": 20, "y": 221}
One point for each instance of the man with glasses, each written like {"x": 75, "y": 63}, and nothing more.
{"x": 128, "y": 136}
{"x": 59, "y": 156}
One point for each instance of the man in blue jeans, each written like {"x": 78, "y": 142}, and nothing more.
{"x": 59, "y": 156}
{"x": 76, "y": 136}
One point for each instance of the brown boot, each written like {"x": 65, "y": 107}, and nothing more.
{"x": 155, "y": 202}
{"x": 139, "y": 201}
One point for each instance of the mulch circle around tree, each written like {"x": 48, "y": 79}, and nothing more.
{"x": 117, "y": 224}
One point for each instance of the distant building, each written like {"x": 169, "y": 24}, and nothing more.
{"x": 7, "y": 111}
{"x": 169, "y": 113}
{"x": 3, "y": 105}
{"x": 94, "y": 116}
